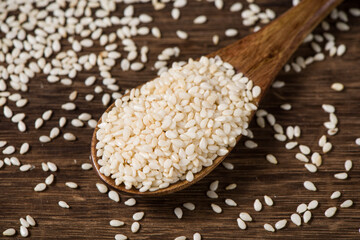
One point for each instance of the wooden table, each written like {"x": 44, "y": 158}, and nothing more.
{"x": 91, "y": 211}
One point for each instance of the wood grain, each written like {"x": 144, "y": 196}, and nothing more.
{"x": 91, "y": 211}
{"x": 259, "y": 56}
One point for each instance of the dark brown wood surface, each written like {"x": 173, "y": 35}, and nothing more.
{"x": 91, "y": 211}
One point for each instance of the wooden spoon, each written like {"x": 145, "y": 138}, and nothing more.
{"x": 260, "y": 56}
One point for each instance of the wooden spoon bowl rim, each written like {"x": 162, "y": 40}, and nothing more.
{"x": 174, "y": 187}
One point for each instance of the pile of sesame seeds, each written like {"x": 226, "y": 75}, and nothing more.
{"x": 175, "y": 125}
{"x": 31, "y": 46}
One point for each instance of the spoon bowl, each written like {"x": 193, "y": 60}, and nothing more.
{"x": 259, "y": 56}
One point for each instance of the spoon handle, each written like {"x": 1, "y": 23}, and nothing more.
{"x": 260, "y": 56}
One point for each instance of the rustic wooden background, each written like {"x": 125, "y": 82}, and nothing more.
{"x": 91, "y": 211}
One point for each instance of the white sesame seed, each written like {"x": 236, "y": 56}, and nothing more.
{"x": 136, "y": 66}
{"x": 269, "y": 228}
{"x": 342, "y": 26}
{"x": 355, "y": 12}
{"x": 196, "y": 236}
{"x": 62, "y": 122}
{"x": 268, "y": 200}
{"x": 3, "y": 143}
{"x": 301, "y": 208}
{"x": 304, "y": 149}
{"x": 328, "y": 108}
{"x": 357, "y": 141}
{"x": 77, "y": 123}
{"x": 307, "y": 216}
{"x": 73, "y": 95}
{"x": 90, "y": 81}
{"x": 291, "y": 145}
{"x": 114, "y": 196}
{"x": 236, "y": 7}
{"x": 40, "y": 187}
{"x": 214, "y": 185}
{"x": 189, "y": 176}
{"x": 280, "y": 224}
{"x": 278, "y": 84}
{"x": 138, "y": 216}
{"x": 327, "y": 147}
{"x": 311, "y": 167}
{"x": 335, "y": 195}
{"x": 216, "y": 208}
{"x": 116, "y": 223}
{"x": 23, "y": 231}
{"x": 189, "y": 206}
{"x": 63, "y": 204}
{"x": 250, "y": 144}
{"x": 245, "y": 217}
{"x": 69, "y": 137}
{"x": 286, "y": 106}
{"x": 7, "y": 112}
{"x": 92, "y": 123}
{"x": 86, "y": 166}
{"x": 215, "y": 39}
{"x": 15, "y": 161}
{"x": 219, "y": 4}
{"x": 319, "y": 57}
{"x": 52, "y": 166}
{"x": 178, "y": 212}
{"x": 181, "y": 34}
{"x": 310, "y": 186}
{"x": 228, "y": 166}
{"x": 231, "y": 32}
{"x": 175, "y": 13}
{"x": 211, "y": 194}
{"x": 330, "y": 212}
{"x": 101, "y": 187}
{"x": 9, "y": 232}
{"x": 180, "y": 238}
{"x": 84, "y": 117}
{"x": 54, "y": 132}
{"x": 135, "y": 227}
{"x": 257, "y": 205}
{"x": 301, "y": 157}
{"x": 24, "y": 148}
{"x": 231, "y": 186}
{"x": 30, "y": 220}
{"x": 9, "y": 150}
{"x": 271, "y": 159}
{"x": 348, "y": 165}
{"x": 312, "y": 205}
{"x": 24, "y": 223}
{"x": 230, "y": 202}
{"x": 130, "y": 202}
{"x": 200, "y": 19}
{"x": 322, "y": 141}
{"x": 44, "y": 167}
{"x": 346, "y": 204}
{"x": 68, "y": 106}
{"x": 342, "y": 176}
{"x": 71, "y": 184}
{"x": 25, "y": 168}
{"x": 297, "y": 131}
{"x": 296, "y": 219}
{"x": 256, "y": 90}
{"x": 49, "y": 180}
{"x": 47, "y": 115}
{"x": 120, "y": 237}
{"x": 280, "y": 137}
{"x": 241, "y": 224}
